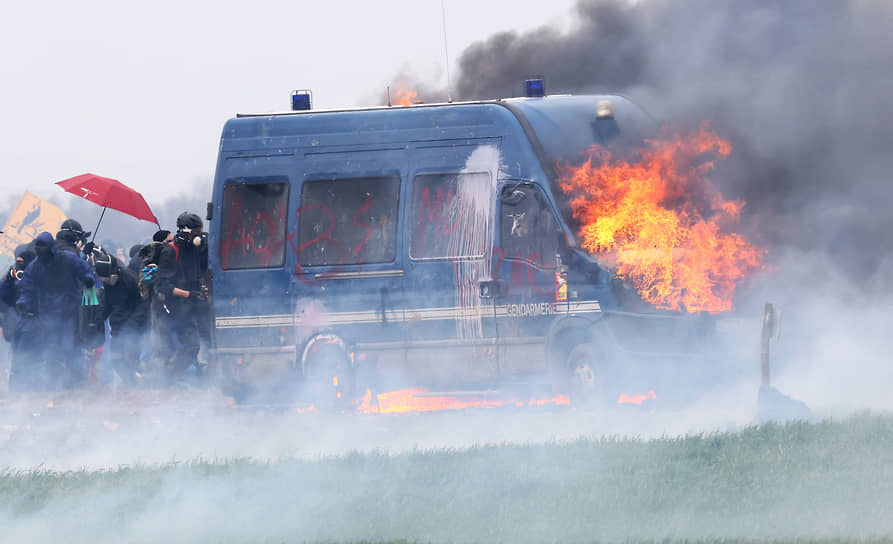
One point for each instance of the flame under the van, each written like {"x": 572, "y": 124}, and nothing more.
{"x": 637, "y": 399}
{"x": 417, "y": 400}
{"x": 661, "y": 223}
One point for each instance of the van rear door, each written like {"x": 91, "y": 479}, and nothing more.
{"x": 249, "y": 260}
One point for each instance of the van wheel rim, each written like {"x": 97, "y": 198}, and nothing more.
{"x": 584, "y": 376}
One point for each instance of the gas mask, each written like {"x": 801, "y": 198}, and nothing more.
{"x": 185, "y": 236}
{"x": 18, "y": 270}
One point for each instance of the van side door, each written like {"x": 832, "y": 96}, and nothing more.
{"x": 450, "y": 330}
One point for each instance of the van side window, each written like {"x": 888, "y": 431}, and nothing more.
{"x": 436, "y": 215}
{"x": 528, "y": 228}
{"x": 253, "y": 225}
{"x": 348, "y": 221}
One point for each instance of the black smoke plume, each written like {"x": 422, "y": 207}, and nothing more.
{"x": 803, "y": 90}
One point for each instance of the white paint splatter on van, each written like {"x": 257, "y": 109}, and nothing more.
{"x": 473, "y": 235}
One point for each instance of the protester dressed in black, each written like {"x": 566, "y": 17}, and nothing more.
{"x": 19, "y": 379}
{"x": 49, "y": 296}
{"x": 127, "y": 314}
{"x": 179, "y": 296}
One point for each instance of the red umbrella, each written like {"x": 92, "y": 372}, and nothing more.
{"x": 109, "y": 193}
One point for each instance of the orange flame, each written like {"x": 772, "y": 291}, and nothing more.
{"x": 412, "y": 400}
{"x": 405, "y": 98}
{"x": 636, "y": 399}
{"x": 662, "y": 223}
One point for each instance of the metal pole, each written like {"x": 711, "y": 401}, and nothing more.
{"x": 765, "y": 337}
{"x": 104, "y": 208}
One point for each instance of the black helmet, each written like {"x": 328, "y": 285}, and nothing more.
{"x": 160, "y": 236}
{"x": 189, "y": 221}
{"x": 75, "y": 227}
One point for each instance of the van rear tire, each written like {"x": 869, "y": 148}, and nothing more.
{"x": 328, "y": 379}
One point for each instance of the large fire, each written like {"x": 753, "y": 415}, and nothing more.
{"x": 418, "y": 400}
{"x": 662, "y": 223}
{"x": 405, "y": 98}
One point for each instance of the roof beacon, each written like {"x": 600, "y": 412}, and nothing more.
{"x": 535, "y": 88}
{"x": 604, "y": 110}
{"x": 301, "y": 100}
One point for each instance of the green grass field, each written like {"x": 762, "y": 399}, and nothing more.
{"x": 799, "y": 481}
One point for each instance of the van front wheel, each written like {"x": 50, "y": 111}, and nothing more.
{"x": 584, "y": 370}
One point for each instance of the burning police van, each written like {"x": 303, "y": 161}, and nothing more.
{"x": 425, "y": 245}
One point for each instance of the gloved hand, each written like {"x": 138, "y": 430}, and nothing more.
{"x": 88, "y": 282}
{"x": 196, "y": 295}
{"x": 89, "y": 247}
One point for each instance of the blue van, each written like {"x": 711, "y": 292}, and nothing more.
{"x": 427, "y": 245}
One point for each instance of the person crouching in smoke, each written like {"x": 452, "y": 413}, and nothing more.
{"x": 49, "y": 300}
{"x": 180, "y": 298}
{"x": 127, "y": 314}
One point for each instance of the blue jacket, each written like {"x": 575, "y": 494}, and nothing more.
{"x": 55, "y": 286}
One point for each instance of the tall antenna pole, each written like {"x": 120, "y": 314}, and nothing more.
{"x": 446, "y": 51}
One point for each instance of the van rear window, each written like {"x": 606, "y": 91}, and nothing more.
{"x": 438, "y": 230}
{"x": 348, "y": 221}
{"x": 253, "y": 229}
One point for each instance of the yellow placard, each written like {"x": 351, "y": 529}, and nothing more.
{"x": 32, "y": 216}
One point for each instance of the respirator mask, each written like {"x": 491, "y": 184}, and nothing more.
{"x": 185, "y": 236}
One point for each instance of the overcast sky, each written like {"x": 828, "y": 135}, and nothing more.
{"x": 140, "y": 92}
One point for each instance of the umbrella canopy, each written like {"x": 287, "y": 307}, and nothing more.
{"x": 109, "y": 193}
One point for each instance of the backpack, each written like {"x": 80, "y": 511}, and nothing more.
{"x": 149, "y": 255}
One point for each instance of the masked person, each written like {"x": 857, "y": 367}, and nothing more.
{"x": 180, "y": 296}
{"x": 13, "y": 325}
{"x": 71, "y": 237}
{"x": 127, "y": 315}
{"x": 49, "y": 300}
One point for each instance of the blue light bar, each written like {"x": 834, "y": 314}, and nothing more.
{"x": 534, "y": 87}
{"x": 301, "y": 100}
